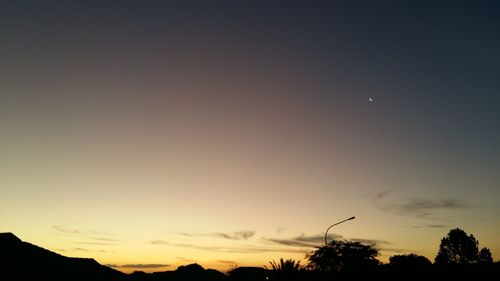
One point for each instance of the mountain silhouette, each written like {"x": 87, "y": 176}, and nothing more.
{"x": 22, "y": 261}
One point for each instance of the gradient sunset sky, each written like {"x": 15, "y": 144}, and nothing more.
{"x": 151, "y": 134}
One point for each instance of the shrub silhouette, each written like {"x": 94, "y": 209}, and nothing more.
{"x": 286, "y": 265}
{"x": 285, "y": 269}
{"x": 248, "y": 274}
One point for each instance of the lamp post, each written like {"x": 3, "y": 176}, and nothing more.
{"x": 326, "y": 233}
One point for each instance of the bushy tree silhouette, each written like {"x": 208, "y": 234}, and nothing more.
{"x": 343, "y": 256}
{"x": 459, "y": 248}
{"x": 484, "y": 256}
{"x": 409, "y": 262}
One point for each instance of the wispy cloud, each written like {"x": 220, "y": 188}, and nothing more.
{"x": 238, "y": 235}
{"x": 299, "y": 244}
{"x": 66, "y": 230}
{"x": 431, "y": 226}
{"x": 304, "y": 240}
{"x": 139, "y": 265}
{"x": 60, "y": 250}
{"x": 96, "y": 243}
{"x": 319, "y": 240}
{"x": 423, "y": 208}
{"x": 87, "y": 237}
{"x": 382, "y": 194}
{"x": 423, "y": 205}
{"x": 279, "y": 230}
{"x": 104, "y": 239}
{"x": 244, "y": 250}
{"x": 160, "y": 242}
{"x": 395, "y": 250}
{"x": 370, "y": 241}
{"x": 227, "y": 262}
{"x": 182, "y": 259}
{"x": 80, "y": 250}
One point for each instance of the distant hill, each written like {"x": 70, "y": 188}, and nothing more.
{"x": 191, "y": 272}
{"x": 22, "y": 261}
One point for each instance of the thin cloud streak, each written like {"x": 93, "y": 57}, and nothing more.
{"x": 419, "y": 205}
{"x": 86, "y": 235}
{"x": 237, "y": 235}
{"x": 371, "y": 241}
{"x": 279, "y": 230}
{"x": 104, "y": 239}
{"x": 304, "y": 241}
{"x": 382, "y": 194}
{"x": 182, "y": 259}
{"x": 319, "y": 240}
{"x": 65, "y": 230}
{"x": 226, "y": 262}
{"x": 395, "y": 250}
{"x": 422, "y": 208}
{"x": 96, "y": 243}
{"x": 431, "y": 226}
{"x": 140, "y": 265}
{"x": 80, "y": 250}
{"x": 244, "y": 250}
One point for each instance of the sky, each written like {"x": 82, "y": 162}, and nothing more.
{"x": 153, "y": 134}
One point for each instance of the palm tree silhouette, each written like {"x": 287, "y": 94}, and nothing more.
{"x": 286, "y": 265}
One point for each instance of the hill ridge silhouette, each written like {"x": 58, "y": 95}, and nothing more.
{"x": 9, "y": 235}
{"x": 24, "y": 261}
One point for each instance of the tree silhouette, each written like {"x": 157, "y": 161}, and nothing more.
{"x": 286, "y": 269}
{"x": 484, "y": 256}
{"x": 286, "y": 265}
{"x": 343, "y": 256}
{"x": 409, "y": 262}
{"x": 458, "y": 248}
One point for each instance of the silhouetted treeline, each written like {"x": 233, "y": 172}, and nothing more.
{"x": 382, "y": 272}
{"x": 21, "y": 261}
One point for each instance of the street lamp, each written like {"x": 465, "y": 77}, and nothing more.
{"x": 326, "y": 233}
